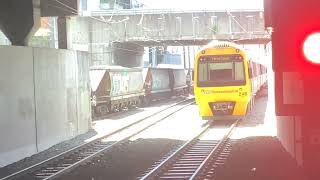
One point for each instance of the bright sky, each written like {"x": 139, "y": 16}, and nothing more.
{"x": 203, "y": 4}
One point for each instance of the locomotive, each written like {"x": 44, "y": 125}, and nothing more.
{"x": 226, "y": 80}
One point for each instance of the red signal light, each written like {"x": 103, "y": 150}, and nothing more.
{"x": 311, "y": 48}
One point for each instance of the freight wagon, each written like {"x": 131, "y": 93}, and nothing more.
{"x": 164, "y": 82}
{"x": 114, "y": 88}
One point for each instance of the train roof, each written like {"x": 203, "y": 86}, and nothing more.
{"x": 97, "y": 72}
{"x": 222, "y": 44}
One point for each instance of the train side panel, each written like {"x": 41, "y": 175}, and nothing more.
{"x": 179, "y": 81}
{"x": 157, "y": 84}
{"x": 118, "y": 88}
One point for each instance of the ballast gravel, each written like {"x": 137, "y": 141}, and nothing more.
{"x": 126, "y": 162}
{"x": 258, "y": 158}
{"x": 255, "y": 154}
{"x": 78, "y": 140}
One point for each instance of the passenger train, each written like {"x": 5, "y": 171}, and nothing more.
{"x": 226, "y": 81}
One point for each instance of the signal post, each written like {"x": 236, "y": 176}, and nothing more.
{"x": 295, "y": 26}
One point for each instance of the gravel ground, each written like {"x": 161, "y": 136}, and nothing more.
{"x": 144, "y": 150}
{"x": 259, "y": 158}
{"x": 258, "y": 113}
{"x": 126, "y": 163}
{"x": 256, "y": 153}
{"x": 133, "y": 111}
{"x": 66, "y": 145}
{"x": 53, "y": 151}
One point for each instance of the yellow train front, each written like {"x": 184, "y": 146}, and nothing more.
{"x": 225, "y": 81}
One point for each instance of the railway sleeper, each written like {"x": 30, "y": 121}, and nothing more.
{"x": 181, "y": 170}
{"x": 185, "y": 167}
{"x": 186, "y": 164}
{"x": 49, "y": 171}
{"x": 194, "y": 156}
{"x": 188, "y": 161}
{"x": 179, "y": 173}
{"x": 175, "y": 177}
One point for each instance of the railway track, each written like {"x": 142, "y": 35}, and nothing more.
{"x": 195, "y": 159}
{"x": 65, "y": 162}
{"x": 130, "y": 109}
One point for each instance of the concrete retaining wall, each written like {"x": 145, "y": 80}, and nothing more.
{"x": 290, "y": 135}
{"x": 17, "y": 109}
{"x": 44, "y": 99}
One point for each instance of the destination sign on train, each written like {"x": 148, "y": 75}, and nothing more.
{"x": 221, "y": 58}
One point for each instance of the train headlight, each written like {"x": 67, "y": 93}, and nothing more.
{"x": 230, "y": 106}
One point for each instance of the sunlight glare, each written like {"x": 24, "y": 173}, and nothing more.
{"x": 203, "y": 4}
{"x": 311, "y": 48}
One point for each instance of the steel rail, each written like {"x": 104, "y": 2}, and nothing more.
{"x": 112, "y": 145}
{"x": 187, "y": 161}
{"x": 165, "y": 162}
{"x": 212, "y": 153}
{"x": 61, "y": 155}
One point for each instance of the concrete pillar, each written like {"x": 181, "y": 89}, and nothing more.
{"x": 64, "y": 41}
{"x": 190, "y": 59}
{"x": 19, "y": 20}
{"x": 153, "y": 57}
{"x": 128, "y": 54}
{"x": 189, "y": 56}
{"x": 150, "y": 55}
{"x": 184, "y": 57}
{"x": 159, "y": 55}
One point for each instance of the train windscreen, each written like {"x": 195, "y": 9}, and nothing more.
{"x": 221, "y": 71}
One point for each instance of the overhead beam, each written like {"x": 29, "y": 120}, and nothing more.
{"x": 196, "y": 42}
{"x": 19, "y": 20}
{"x": 59, "y": 8}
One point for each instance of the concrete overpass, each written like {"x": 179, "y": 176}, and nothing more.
{"x": 128, "y": 31}
{"x": 149, "y": 27}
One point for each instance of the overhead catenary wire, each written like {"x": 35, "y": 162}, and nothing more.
{"x": 74, "y": 11}
{"x": 234, "y": 19}
{"x": 103, "y": 20}
{"x": 115, "y": 34}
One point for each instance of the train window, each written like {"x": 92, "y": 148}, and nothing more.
{"x": 250, "y": 70}
{"x": 203, "y": 72}
{"x": 221, "y": 73}
{"x": 239, "y": 75}
{"x": 260, "y": 69}
{"x": 254, "y": 70}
